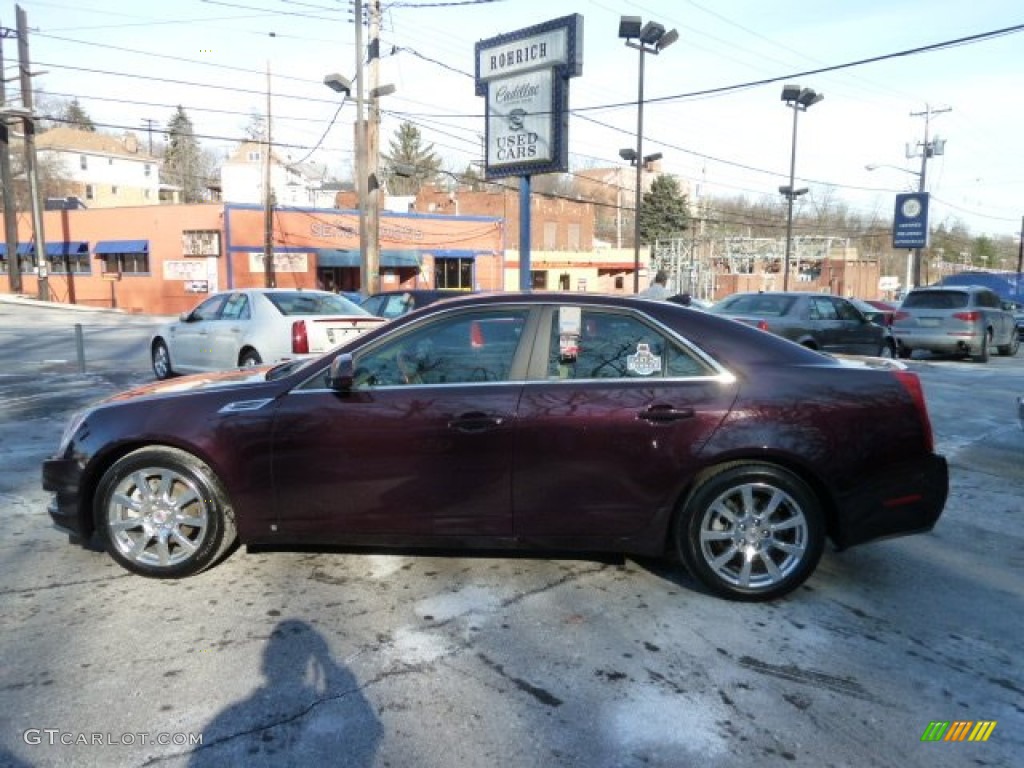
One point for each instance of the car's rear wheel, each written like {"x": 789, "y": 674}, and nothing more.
{"x": 904, "y": 352}
{"x": 161, "y": 361}
{"x": 981, "y": 356}
{"x": 162, "y": 512}
{"x": 888, "y": 349}
{"x": 750, "y": 531}
{"x": 250, "y": 358}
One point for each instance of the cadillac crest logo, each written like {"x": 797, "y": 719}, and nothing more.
{"x": 644, "y": 362}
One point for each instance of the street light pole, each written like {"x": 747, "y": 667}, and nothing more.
{"x": 799, "y": 99}
{"x": 646, "y": 38}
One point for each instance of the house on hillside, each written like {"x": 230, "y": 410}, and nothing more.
{"x": 103, "y": 170}
{"x": 243, "y": 176}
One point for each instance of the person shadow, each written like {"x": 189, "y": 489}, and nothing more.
{"x": 308, "y": 711}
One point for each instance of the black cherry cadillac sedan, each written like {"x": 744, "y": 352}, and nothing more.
{"x": 546, "y": 421}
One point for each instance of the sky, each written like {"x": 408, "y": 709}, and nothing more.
{"x": 713, "y": 103}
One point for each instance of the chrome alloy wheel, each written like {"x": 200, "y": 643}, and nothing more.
{"x": 753, "y": 536}
{"x": 157, "y": 517}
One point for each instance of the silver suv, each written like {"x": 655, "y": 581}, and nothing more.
{"x": 961, "y": 320}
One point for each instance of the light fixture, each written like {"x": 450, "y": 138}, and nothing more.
{"x": 800, "y": 99}
{"x": 338, "y": 83}
{"x": 646, "y": 38}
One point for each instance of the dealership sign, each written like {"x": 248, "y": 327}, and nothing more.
{"x": 524, "y": 77}
{"x": 910, "y": 221}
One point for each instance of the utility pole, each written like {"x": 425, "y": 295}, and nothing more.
{"x": 30, "y": 155}
{"x": 149, "y": 129}
{"x": 373, "y": 153}
{"x": 929, "y": 148}
{"x": 10, "y": 209}
{"x": 367, "y": 268}
{"x": 269, "y": 278}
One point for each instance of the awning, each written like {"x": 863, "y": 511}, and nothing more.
{"x": 77, "y": 248}
{"x": 326, "y": 257}
{"x": 400, "y": 259}
{"x": 105, "y": 247}
{"x": 22, "y": 249}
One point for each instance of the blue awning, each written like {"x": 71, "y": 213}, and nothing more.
{"x": 76, "y": 248}
{"x": 326, "y": 257}
{"x": 22, "y": 249}
{"x": 400, "y": 259}
{"x": 105, "y": 247}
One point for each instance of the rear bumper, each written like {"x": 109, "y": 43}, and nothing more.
{"x": 938, "y": 341}
{"x": 902, "y": 500}
{"x": 61, "y": 476}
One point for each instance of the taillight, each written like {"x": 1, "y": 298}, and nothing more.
{"x": 967, "y": 317}
{"x": 300, "y": 341}
{"x": 900, "y": 316}
{"x": 912, "y": 384}
{"x": 762, "y": 325}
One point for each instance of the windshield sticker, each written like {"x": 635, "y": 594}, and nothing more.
{"x": 644, "y": 362}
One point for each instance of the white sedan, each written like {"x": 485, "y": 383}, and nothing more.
{"x": 253, "y": 326}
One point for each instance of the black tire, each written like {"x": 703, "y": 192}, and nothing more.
{"x": 161, "y": 359}
{"x": 759, "y": 513}
{"x": 904, "y": 352}
{"x": 161, "y": 512}
{"x": 1010, "y": 350}
{"x": 888, "y": 349}
{"x": 982, "y": 355}
{"x": 249, "y": 358}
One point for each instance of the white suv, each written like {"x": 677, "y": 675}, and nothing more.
{"x": 962, "y": 320}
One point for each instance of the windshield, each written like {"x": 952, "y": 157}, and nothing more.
{"x": 313, "y": 303}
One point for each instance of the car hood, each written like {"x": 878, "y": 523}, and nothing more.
{"x": 199, "y": 381}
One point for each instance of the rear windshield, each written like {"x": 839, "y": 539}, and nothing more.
{"x": 935, "y": 300}
{"x": 304, "y": 303}
{"x": 755, "y": 304}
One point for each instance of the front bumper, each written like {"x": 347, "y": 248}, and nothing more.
{"x": 62, "y": 476}
{"x": 902, "y": 500}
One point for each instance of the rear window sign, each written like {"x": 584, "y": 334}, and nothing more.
{"x": 643, "y": 362}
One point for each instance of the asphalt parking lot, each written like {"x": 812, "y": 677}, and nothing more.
{"x": 389, "y": 659}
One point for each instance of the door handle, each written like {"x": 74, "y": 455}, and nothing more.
{"x": 664, "y": 413}
{"x": 475, "y": 422}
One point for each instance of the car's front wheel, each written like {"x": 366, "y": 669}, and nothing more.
{"x": 750, "y": 531}
{"x": 162, "y": 512}
{"x": 161, "y": 360}
{"x": 1009, "y": 350}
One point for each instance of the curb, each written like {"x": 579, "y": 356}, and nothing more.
{"x": 26, "y": 301}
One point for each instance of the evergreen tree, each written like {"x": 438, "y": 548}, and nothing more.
{"x": 663, "y": 214}
{"x": 73, "y": 115}
{"x": 407, "y": 151}
{"x": 185, "y": 164}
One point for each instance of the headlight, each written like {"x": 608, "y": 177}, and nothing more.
{"x": 76, "y": 420}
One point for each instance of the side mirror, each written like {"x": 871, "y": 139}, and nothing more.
{"x": 185, "y": 317}
{"x": 341, "y": 373}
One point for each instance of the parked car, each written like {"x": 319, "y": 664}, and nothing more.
{"x": 955, "y": 320}
{"x": 818, "y": 321}
{"x": 879, "y": 315}
{"x": 253, "y": 326}
{"x": 557, "y": 421}
{"x": 886, "y": 308}
{"x": 391, "y": 304}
